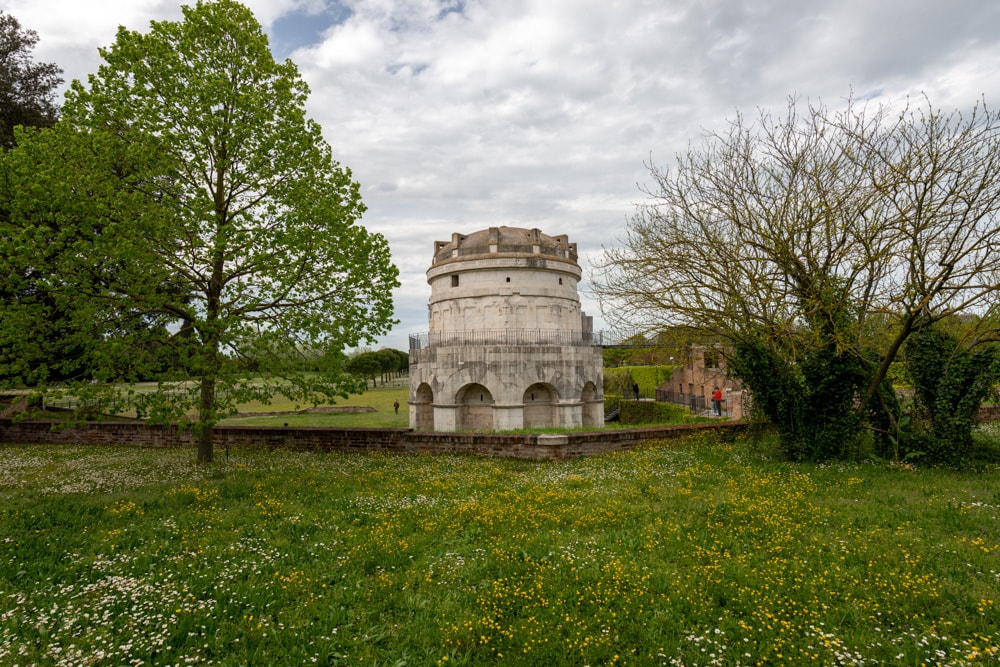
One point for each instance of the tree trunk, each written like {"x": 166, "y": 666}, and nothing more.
{"x": 907, "y": 327}
{"x": 206, "y": 418}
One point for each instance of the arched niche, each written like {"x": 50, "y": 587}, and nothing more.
{"x": 475, "y": 408}
{"x": 423, "y": 413}
{"x": 540, "y": 401}
{"x": 593, "y": 407}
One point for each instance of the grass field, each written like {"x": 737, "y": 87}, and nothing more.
{"x": 697, "y": 553}
{"x": 380, "y": 398}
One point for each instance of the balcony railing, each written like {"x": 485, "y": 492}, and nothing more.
{"x": 534, "y": 337}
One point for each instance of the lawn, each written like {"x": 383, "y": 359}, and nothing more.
{"x": 381, "y": 399}
{"x": 702, "y": 552}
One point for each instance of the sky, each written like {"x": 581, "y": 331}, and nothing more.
{"x": 458, "y": 115}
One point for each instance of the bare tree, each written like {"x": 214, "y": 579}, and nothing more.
{"x": 851, "y": 228}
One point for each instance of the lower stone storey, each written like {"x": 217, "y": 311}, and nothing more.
{"x": 506, "y": 387}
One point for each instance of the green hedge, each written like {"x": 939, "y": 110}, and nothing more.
{"x": 619, "y": 380}
{"x": 649, "y": 412}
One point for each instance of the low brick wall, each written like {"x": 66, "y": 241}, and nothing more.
{"x": 988, "y": 413}
{"x": 401, "y": 441}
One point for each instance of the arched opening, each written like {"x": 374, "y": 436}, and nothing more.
{"x": 540, "y": 406}
{"x": 593, "y": 407}
{"x": 423, "y": 413}
{"x": 475, "y": 408}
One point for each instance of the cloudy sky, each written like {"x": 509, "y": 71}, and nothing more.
{"x": 456, "y": 115}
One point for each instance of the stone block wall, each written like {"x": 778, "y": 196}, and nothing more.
{"x": 400, "y": 441}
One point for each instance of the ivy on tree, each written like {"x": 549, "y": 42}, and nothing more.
{"x": 185, "y": 185}
{"x": 950, "y": 382}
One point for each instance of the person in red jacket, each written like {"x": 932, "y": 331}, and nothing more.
{"x": 717, "y": 402}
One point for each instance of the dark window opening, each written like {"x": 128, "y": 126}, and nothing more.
{"x": 454, "y": 281}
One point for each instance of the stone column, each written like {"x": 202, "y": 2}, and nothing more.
{"x": 508, "y": 417}
{"x": 593, "y": 413}
{"x": 570, "y": 413}
{"x": 445, "y": 417}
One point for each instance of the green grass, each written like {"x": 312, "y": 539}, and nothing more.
{"x": 380, "y": 398}
{"x": 694, "y": 553}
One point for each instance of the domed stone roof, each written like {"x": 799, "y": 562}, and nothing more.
{"x": 504, "y": 241}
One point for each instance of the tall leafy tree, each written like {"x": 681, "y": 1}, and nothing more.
{"x": 27, "y": 88}
{"x": 365, "y": 365}
{"x": 27, "y": 98}
{"x": 217, "y": 210}
{"x": 60, "y": 260}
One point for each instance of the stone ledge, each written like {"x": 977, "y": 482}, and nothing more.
{"x": 317, "y": 438}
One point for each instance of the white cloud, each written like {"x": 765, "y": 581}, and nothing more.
{"x": 350, "y": 45}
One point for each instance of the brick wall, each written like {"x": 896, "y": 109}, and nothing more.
{"x": 988, "y": 413}
{"x": 402, "y": 441}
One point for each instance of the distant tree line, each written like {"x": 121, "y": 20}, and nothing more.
{"x": 385, "y": 364}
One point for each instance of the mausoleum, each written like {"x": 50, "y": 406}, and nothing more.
{"x": 509, "y": 346}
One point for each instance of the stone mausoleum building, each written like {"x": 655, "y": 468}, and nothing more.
{"x": 508, "y": 346}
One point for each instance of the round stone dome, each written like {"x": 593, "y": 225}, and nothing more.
{"x": 504, "y": 241}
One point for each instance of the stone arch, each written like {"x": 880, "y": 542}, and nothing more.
{"x": 475, "y": 408}
{"x": 423, "y": 408}
{"x": 593, "y": 406}
{"x": 540, "y": 401}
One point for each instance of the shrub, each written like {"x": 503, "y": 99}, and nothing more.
{"x": 950, "y": 383}
{"x": 810, "y": 402}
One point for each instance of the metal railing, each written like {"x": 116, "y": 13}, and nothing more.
{"x": 694, "y": 402}
{"x": 534, "y": 337}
